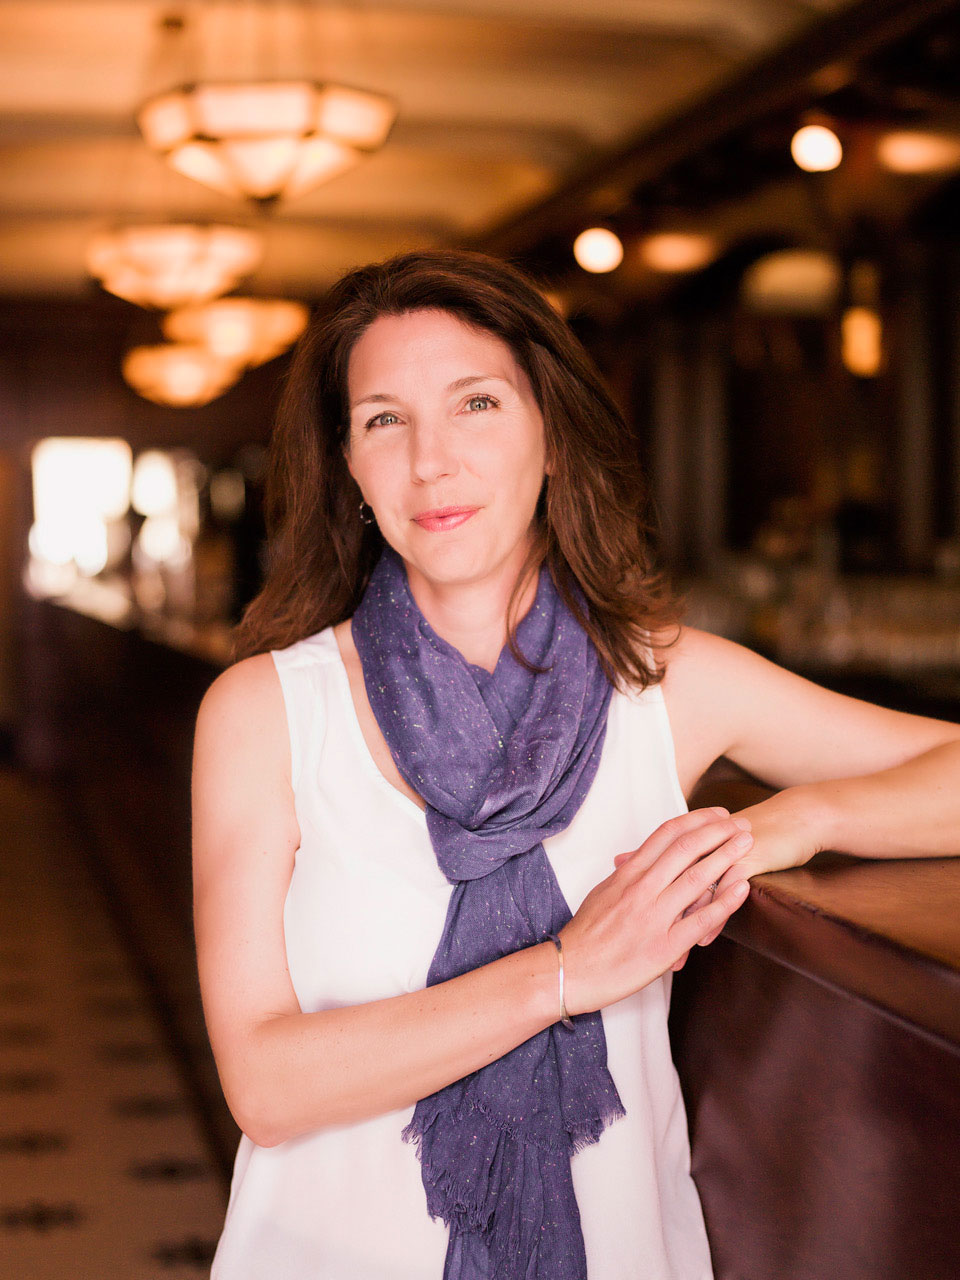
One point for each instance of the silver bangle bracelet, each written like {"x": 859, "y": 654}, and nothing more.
{"x": 564, "y": 1016}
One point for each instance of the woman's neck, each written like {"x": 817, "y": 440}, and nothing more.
{"x": 472, "y": 616}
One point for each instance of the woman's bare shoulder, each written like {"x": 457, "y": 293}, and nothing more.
{"x": 724, "y": 699}
{"x": 248, "y": 676}
{"x": 687, "y": 654}
{"x": 243, "y": 711}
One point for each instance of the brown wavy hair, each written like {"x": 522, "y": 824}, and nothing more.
{"x": 591, "y": 525}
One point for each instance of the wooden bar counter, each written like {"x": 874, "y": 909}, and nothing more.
{"x": 818, "y": 1046}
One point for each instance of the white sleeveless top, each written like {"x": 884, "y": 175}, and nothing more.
{"x": 363, "y": 915}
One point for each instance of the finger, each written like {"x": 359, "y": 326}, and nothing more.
{"x": 678, "y": 964}
{"x": 735, "y": 873}
{"x": 708, "y": 895}
{"x": 687, "y": 932}
{"x": 680, "y": 864}
{"x": 692, "y": 881}
{"x": 681, "y": 828}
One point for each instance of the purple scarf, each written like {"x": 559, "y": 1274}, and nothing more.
{"x": 503, "y": 760}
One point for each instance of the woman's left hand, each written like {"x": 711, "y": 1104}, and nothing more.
{"x": 786, "y": 833}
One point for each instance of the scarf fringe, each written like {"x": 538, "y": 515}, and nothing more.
{"x": 586, "y": 1132}
{"x": 462, "y": 1204}
{"x": 486, "y": 1199}
{"x": 582, "y": 1133}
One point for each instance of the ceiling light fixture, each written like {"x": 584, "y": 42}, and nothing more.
{"x": 676, "y": 251}
{"x": 598, "y": 250}
{"x": 793, "y": 282}
{"x": 912, "y": 152}
{"x": 170, "y": 266}
{"x": 265, "y": 139}
{"x": 246, "y": 330}
{"x": 816, "y": 149}
{"x": 178, "y": 373}
{"x": 861, "y": 341}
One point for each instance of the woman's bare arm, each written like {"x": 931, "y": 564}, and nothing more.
{"x": 859, "y": 778}
{"x": 285, "y": 1072}
{"x": 855, "y": 777}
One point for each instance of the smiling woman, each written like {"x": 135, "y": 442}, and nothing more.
{"x": 444, "y": 866}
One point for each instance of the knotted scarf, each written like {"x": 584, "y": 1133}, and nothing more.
{"x": 503, "y": 760}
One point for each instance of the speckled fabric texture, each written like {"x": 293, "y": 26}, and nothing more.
{"x": 503, "y": 760}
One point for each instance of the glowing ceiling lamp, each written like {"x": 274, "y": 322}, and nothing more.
{"x": 171, "y": 265}
{"x": 265, "y": 139}
{"x": 793, "y": 282}
{"x": 816, "y": 149}
{"x": 246, "y": 330}
{"x": 598, "y": 250}
{"x": 676, "y": 251}
{"x": 861, "y": 341}
{"x": 178, "y": 373}
{"x": 910, "y": 151}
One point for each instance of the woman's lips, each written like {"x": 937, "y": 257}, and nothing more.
{"x": 444, "y": 518}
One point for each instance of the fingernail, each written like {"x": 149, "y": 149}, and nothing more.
{"x": 741, "y": 888}
{"x": 743, "y": 823}
{"x": 743, "y": 841}
{"x": 721, "y": 812}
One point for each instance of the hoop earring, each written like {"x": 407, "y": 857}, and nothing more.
{"x": 364, "y": 518}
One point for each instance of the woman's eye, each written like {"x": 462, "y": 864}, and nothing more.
{"x": 380, "y": 420}
{"x": 483, "y": 401}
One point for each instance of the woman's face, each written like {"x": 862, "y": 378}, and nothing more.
{"x": 446, "y": 442}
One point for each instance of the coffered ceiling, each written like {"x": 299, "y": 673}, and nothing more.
{"x": 500, "y": 102}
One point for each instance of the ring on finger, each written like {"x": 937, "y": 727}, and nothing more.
{"x": 713, "y": 887}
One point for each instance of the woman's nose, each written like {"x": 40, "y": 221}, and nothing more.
{"x": 431, "y": 454}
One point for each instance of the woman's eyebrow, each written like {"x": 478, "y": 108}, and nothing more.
{"x": 460, "y": 383}
{"x": 381, "y": 397}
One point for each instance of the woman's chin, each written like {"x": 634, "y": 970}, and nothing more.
{"x": 451, "y": 564}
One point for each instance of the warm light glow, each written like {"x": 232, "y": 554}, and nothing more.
{"x": 228, "y": 494}
{"x": 51, "y": 542}
{"x": 78, "y": 542}
{"x": 79, "y": 486}
{"x": 677, "y": 251}
{"x": 178, "y": 374}
{"x": 161, "y": 540}
{"x": 598, "y": 250}
{"x": 816, "y": 148}
{"x": 171, "y": 265}
{"x": 90, "y": 547}
{"x": 42, "y": 578}
{"x": 246, "y": 330}
{"x": 909, "y": 152}
{"x": 72, "y": 473}
{"x": 861, "y": 336}
{"x": 154, "y": 488}
{"x": 265, "y": 139}
{"x": 792, "y": 282}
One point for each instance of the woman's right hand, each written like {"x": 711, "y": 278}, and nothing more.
{"x": 631, "y": 927}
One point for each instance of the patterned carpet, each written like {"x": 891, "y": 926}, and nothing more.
{"x": 103, "y": 1170}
